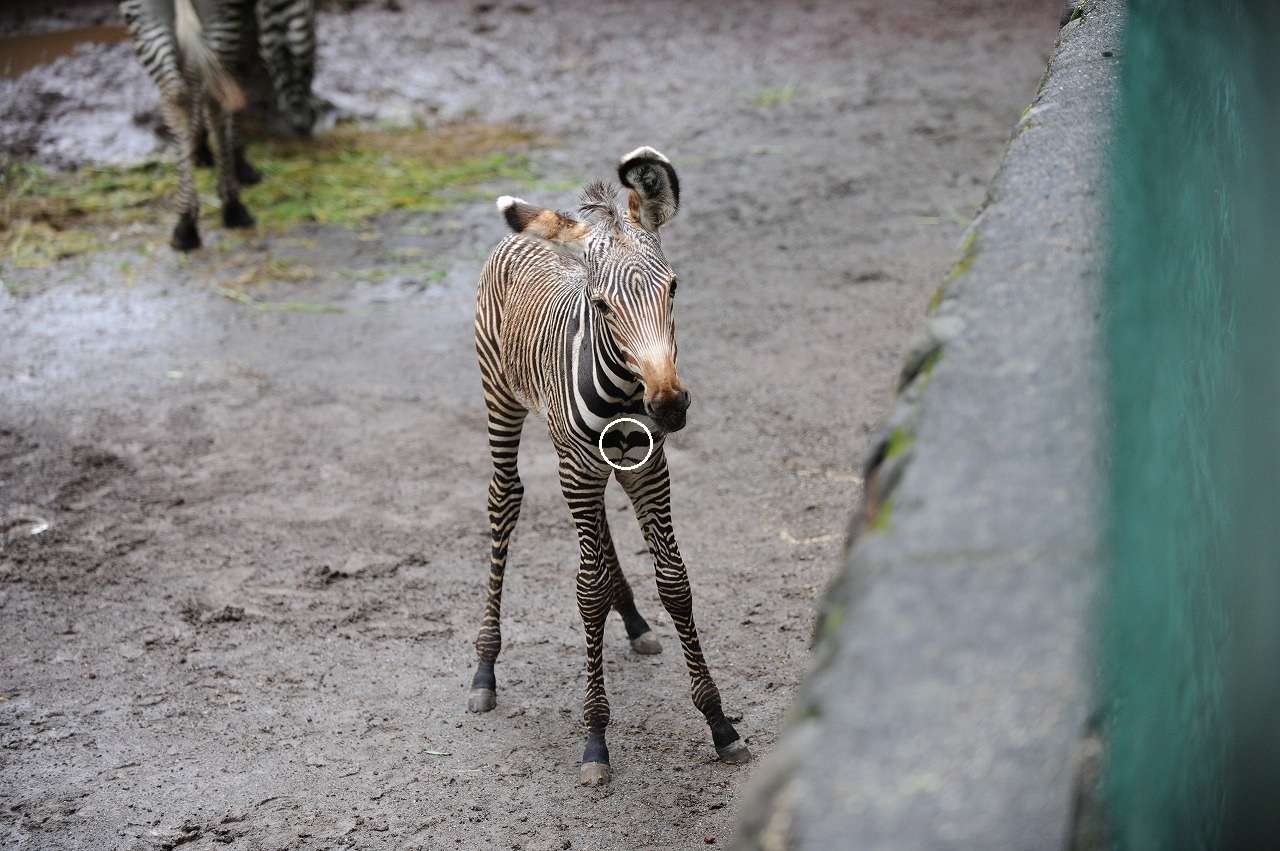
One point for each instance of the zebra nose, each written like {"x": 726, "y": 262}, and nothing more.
{"x": 672, "y": 401}
{"x": 668, "y": 408}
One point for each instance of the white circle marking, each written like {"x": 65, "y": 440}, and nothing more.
{"x": 613, "y": 423}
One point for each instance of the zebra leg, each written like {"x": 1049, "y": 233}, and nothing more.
{"x": 182, "y": 117}
{"x": 203, "y": 154}
{"x": 650, "y": 491}
{"x": 506, "y": 419}
{"x": 584, "y": 492}
{"x": 287, "y": 45}
{"x": 245, "y": 172}
{"x": 232, "y": 52}
{"x": 220, "y": 121}
{"x": 638, "y": 632}
{"x": 153, "y": 42}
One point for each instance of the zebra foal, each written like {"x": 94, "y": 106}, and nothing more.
{"x": 574, "y": 322}
{"x": 193, "y": 51}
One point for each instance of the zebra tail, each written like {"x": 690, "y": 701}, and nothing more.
{"x": 192, "y": 46}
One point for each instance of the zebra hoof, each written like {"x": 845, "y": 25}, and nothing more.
{"x": 246, "y": 174}
{"x": 735, "y": 753}
{"x": 646, "y": 643}
{"x": 186, "y": 236}
{"x": 236, "y": 215}
{"x": 593, "y": 774}
{"x": 482, "y": 700}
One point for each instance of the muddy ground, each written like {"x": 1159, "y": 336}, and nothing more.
{"x": 248, "y": 623}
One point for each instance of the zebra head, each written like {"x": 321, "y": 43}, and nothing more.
{"x": 629, "y": 286}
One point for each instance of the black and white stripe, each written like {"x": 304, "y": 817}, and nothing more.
{"x": 287, "y": 45}
{"x": 574, "y": 321}
{"x": 193, "y": 50}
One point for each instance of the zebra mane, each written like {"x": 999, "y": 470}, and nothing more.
{"x": 599, "y": 201}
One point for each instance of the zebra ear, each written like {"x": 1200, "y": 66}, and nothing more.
{"x": 655, "y": 190}
{"x": 556, "y": 228}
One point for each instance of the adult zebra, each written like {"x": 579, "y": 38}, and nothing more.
{"x": 193, "y": 51}
{"x": 574, "y": 321}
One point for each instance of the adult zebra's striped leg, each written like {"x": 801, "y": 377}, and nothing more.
{"x": 649, "y": 488}
{"x": 183, "y": 118}
{"x": 245, "y": 171}
{"x": 231, "y": 50}
{"x": 638, "y": 632}
{"x": 154, "y": 44}
{"x": 584, "y": 492}
{"x": 221, "y": 122}
{"x": 506, "y": 419}
{"x": 203, "y": 155}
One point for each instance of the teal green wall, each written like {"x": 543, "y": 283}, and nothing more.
{"x": 1190, "y": 615}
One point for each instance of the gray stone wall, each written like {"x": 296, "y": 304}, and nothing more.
{"x": 949, "y": 688}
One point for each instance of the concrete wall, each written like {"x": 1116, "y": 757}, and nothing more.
{"x": 949, "y": 690}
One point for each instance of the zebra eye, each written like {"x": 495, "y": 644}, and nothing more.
{"x": 671, "y": 291}
{"x": 602, "y": 305}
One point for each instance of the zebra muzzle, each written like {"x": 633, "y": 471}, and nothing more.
{"x": 667, "y": 408}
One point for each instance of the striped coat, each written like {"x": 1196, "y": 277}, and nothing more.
{"x": 575, "y": 322}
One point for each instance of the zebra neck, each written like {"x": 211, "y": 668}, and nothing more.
{"x": 602, "y": 374}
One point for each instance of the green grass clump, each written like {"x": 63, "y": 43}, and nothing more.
{"x": 343, "y": 177}
{"x": 900, "y": 440}
{"x": 965, "y": 260}
{"x": 774, "y": 96}
{"x": 46, "y": 215}
{"x": 262, "y": 306}
{"x": 831, "y": 621}
{"x": 352, "y": 174}
{"x": 881, "y": 522}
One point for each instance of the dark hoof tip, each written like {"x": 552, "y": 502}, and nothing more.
{"x": 482, "y": 700}
{"x": 646, "y": 643}
{"x": 593, "y": 774}
{"x": 735, "y": 753}
{"x": 186, "y": 237}
{"x": 248, "y": 175}
{"x": 236, "y": 215}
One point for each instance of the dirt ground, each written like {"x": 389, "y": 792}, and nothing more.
{"x": 245, "y": 545}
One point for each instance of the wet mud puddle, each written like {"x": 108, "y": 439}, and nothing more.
{"x": 20, "y": 53}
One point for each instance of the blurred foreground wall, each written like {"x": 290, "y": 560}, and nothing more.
{"x": 1059, "y": 620}
{"x": 1190, "y": 656}
{"x": 949, "y": 689}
